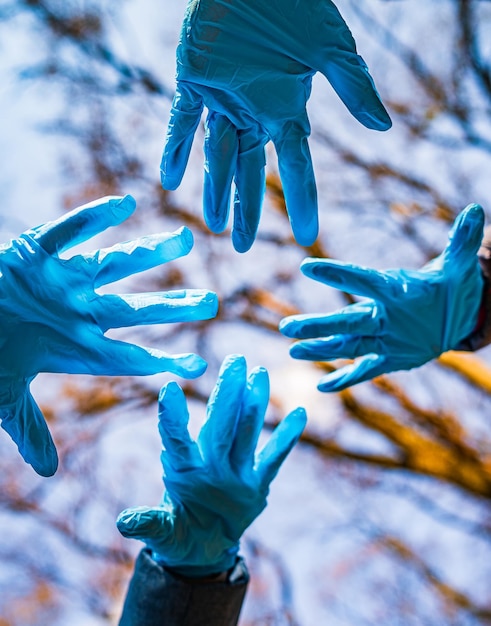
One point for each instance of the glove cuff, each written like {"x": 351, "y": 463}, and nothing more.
{"x": 226, "y": 563}
{"x": 11, "y": 390}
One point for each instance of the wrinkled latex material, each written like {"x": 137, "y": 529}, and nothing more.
{"x": 52, "y": 320}
{"x": 411, "y": 316}
{"x": 251, "y": 62}
{"x": 215, "y": 486}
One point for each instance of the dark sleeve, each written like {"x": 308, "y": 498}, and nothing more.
{"x": 157, "y": 597}
{"x": 481, "y": 335}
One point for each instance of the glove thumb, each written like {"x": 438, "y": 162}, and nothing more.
{"x": 25, "y": 423}
{"x": 145, "y": 523}
{"x": 465, "y": 237}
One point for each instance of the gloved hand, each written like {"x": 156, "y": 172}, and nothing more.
{"x": 53, "y": 321}
{"x": 411, "y": 317}
{"x": 216, "y": 486}
{"x": 251, "y": 62}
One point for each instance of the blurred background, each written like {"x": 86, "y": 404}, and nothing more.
{"x": 382, "y": 514}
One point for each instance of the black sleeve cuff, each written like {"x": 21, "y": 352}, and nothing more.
{"x": 156, "y": 597}
{"x": 481, "y": 335}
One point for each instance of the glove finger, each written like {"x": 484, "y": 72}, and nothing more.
{"x": 145, "y": 523}
{"x": 354, "y": 279}
{"x": 347, "y": 71}
{"x": 360, "y": 319}
{"x": 284, "y": 437}
{"x": 297, "y": 178}
{"x": 254, "y": 405}
{"x": 124, "y": 259}
{"x": 221, "y": 146}
{"x": 82, "y": 223}
{"x": 465, "y": 238}
{"x": 88, "y": 351}
{"x": 27, "y": 427}
{"x": 348, "y": 74}
{"x": 137, "y": 309}
{"x": 365, "y": 369}
{"x": 336, "y": 347}
{"x": 250, "y": 182}
{"x": 185, "y": 116}
{"x": 223, "y": 409}
{"x": 139, "y": 361}
{"x": 100, "y": 356}
{"x": 180, "y": 452}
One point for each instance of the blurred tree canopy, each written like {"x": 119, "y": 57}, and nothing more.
{"x": 383, "y": 513}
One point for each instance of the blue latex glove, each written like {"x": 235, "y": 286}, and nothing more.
{"x": 251, "y": 62}
{"x": 216, "y": 486}
{"x": 411, "y": 317}
{"x": 52, "y": 320}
